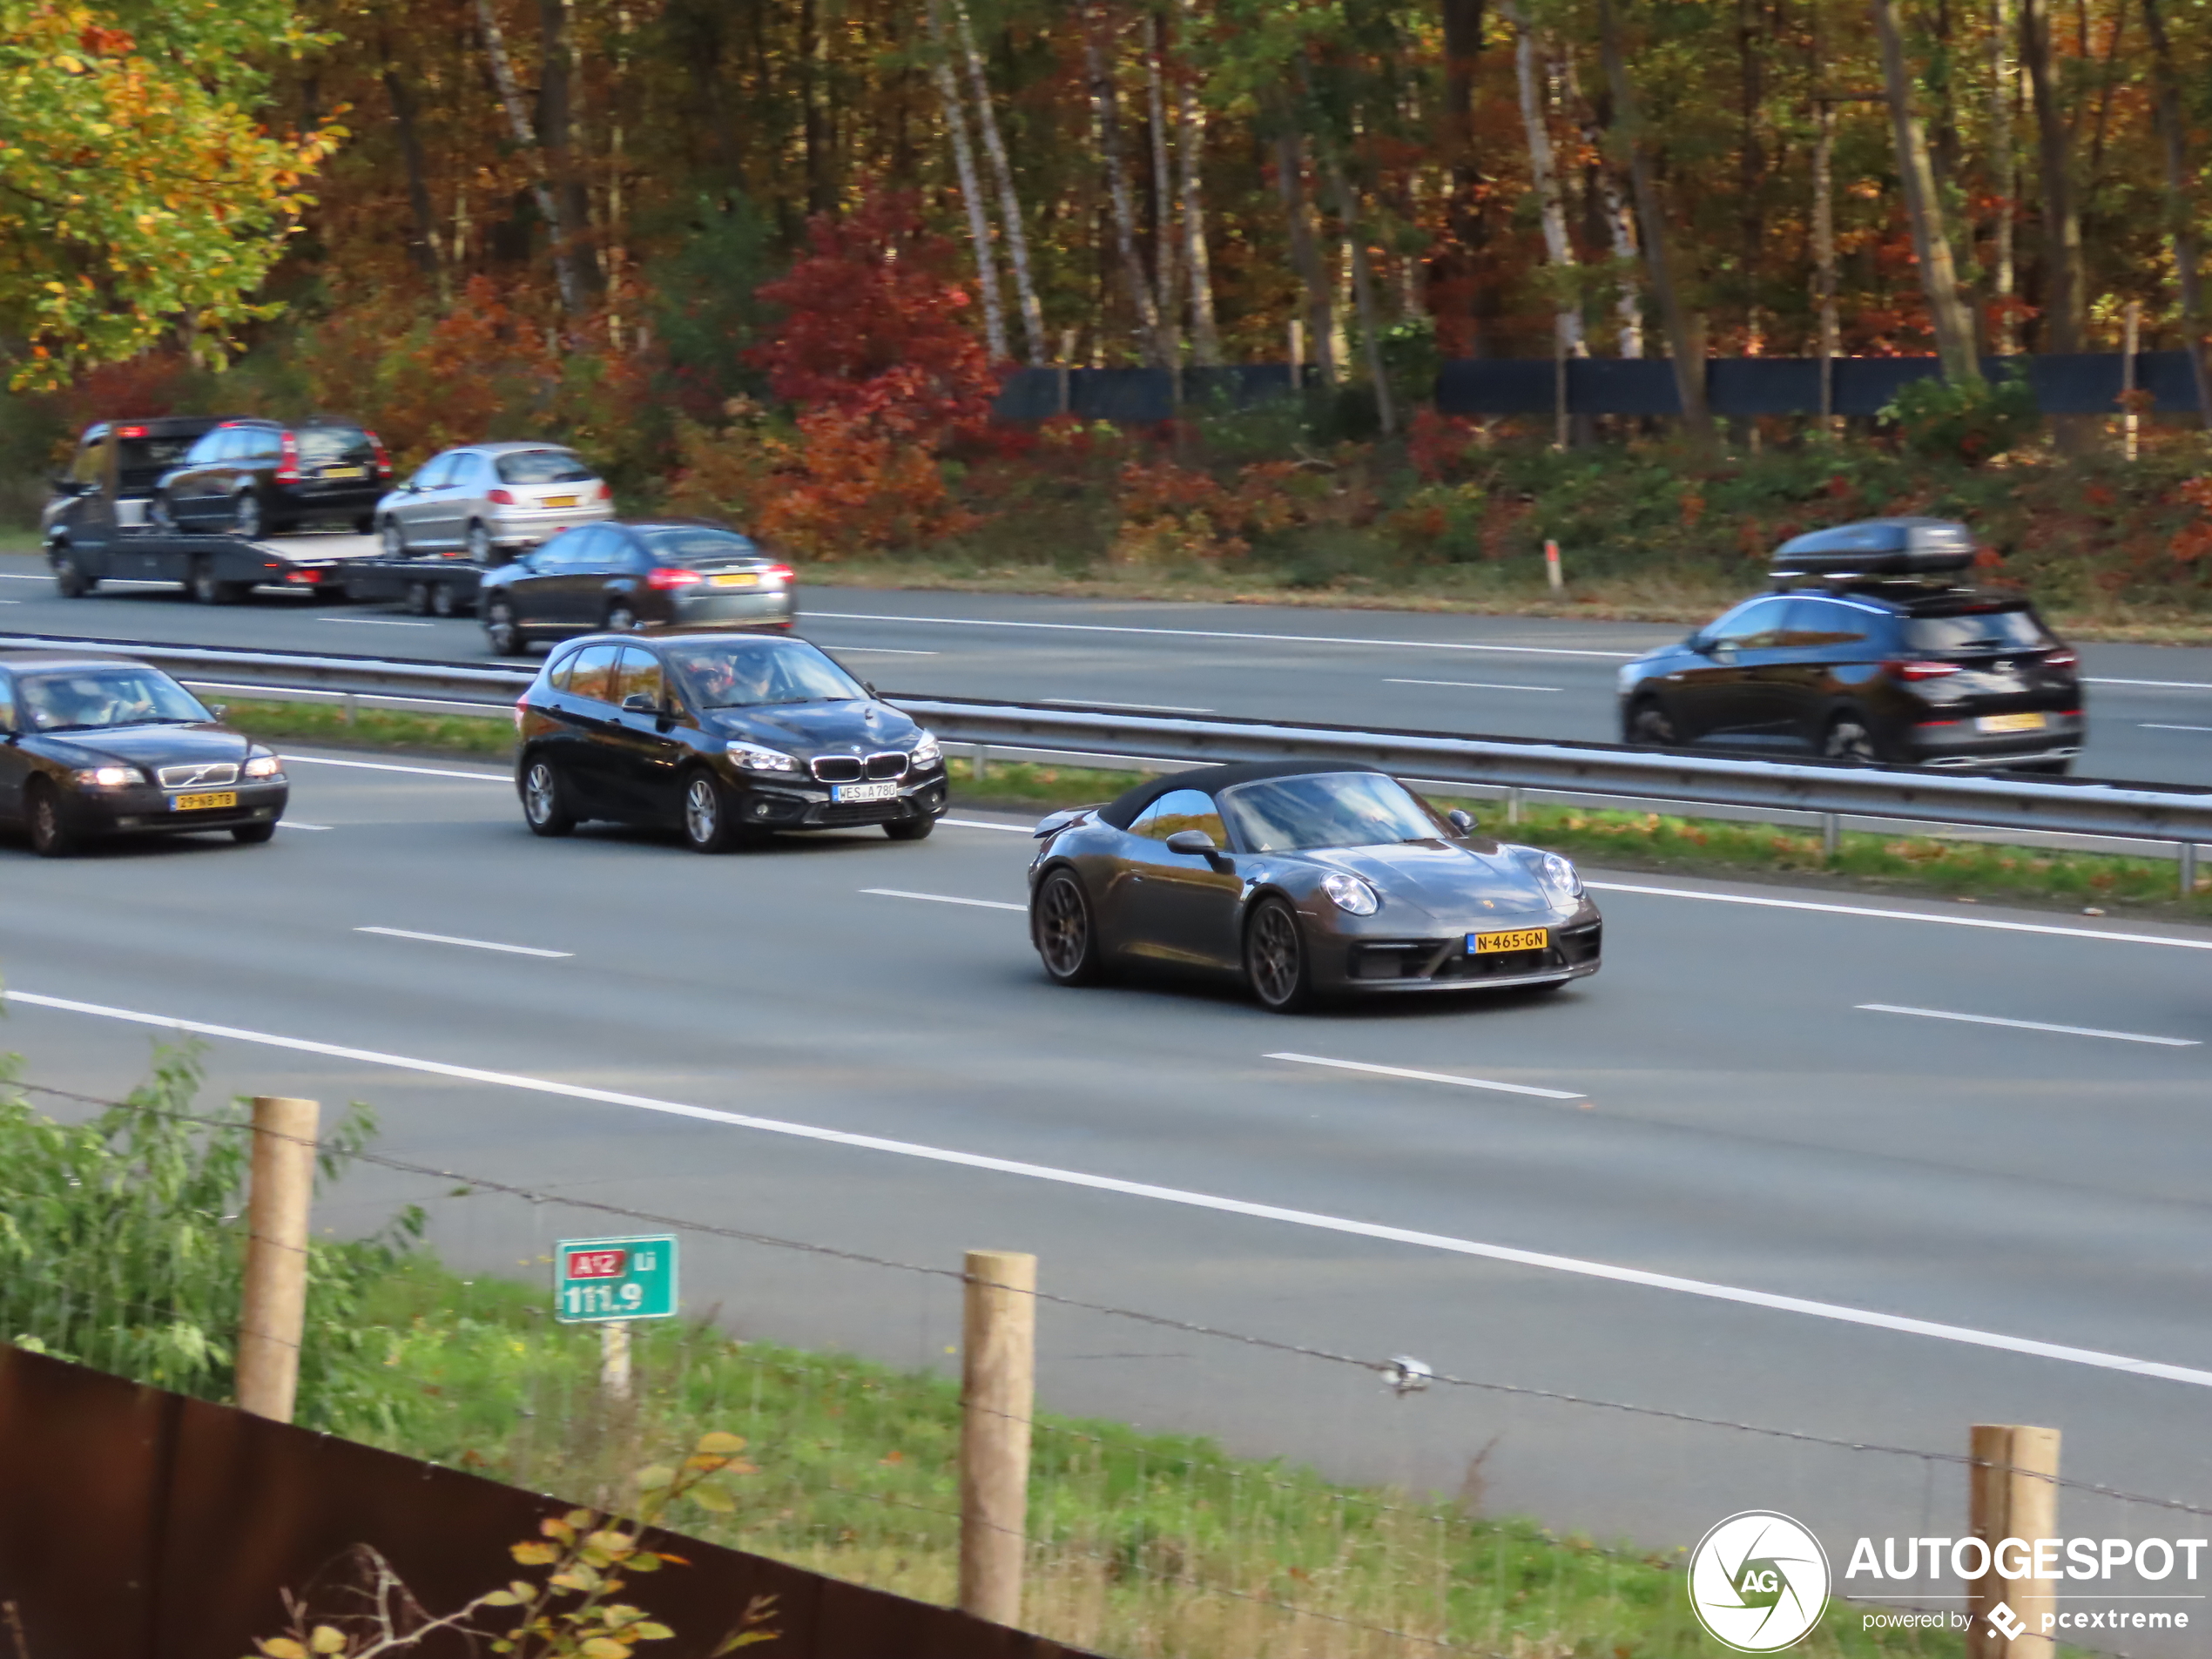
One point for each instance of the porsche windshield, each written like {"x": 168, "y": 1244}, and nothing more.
{"x": 1330, "y": 809}
{"x": 747, "y": 673}
{"x": 89, "y": 698}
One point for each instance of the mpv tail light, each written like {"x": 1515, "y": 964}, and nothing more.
{"x": 503, "y": 498}
{"x": 665, "y": 576}
{"x": 383, "y": 455}
{"x": 1923, "y": 670}
{"x": 2060, "y": 659}
{"x": 287, "y": 470}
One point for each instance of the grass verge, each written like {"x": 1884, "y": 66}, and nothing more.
{"x": 1665, "y": 843}
{"x": 1141, "y": 1545}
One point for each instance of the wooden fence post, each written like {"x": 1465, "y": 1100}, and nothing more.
{"x": 273, "y": 1319}
{"x": 998, "y": 1391}
{"x": 2013, "y": 1493}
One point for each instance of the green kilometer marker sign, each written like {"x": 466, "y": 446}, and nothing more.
{"x": 595, "y": 1280}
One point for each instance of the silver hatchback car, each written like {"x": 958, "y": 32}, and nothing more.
{"x": 488, "y": 501}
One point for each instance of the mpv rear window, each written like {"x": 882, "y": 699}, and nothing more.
{"x": 543, "y": 467}
{"x": 320, "y": 445}
{"x": 699, "y": 547}
{"x": 1977, "y": 631}
{"x": 144, "y": 460}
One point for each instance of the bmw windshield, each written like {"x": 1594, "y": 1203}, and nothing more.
{"x": 1330, "y": 809}
{"x": 756, "y": 673}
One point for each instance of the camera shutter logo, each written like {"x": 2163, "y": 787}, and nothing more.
{"x": 1758, "y": 1581}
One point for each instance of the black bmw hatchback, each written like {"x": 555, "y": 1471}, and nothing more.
{"x": 98, "y": 746}
{"x": 1870, "y": 648}
{"x": 728, "y": 738}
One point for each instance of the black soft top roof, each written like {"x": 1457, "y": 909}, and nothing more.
{"x": 1124, "y": 809}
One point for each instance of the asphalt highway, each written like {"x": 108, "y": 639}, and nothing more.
{"x": 2150, "y": 706}
{"x": 1867, "y": 1170}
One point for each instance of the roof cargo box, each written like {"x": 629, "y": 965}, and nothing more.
{"x": 1880, "y": 547}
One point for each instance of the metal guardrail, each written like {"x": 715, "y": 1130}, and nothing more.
{"x": 2078, "y": 806}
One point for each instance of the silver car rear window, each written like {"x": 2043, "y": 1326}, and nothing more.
{"x": 543, "y": 467}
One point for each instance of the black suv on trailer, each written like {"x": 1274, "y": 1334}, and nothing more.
{"x": 1868, "y": 649}
{"x": 144, "y": 450}
{"x": 259, "y": 477}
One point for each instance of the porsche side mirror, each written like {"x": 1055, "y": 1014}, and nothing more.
{"x": 641, "y": 702}
{"x": 1192, "y": 843}
{"x": 1463, "y": 822}
{"x": 869, "y": 687}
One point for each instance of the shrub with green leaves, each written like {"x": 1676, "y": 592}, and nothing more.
{"x": 1969, "y": 420}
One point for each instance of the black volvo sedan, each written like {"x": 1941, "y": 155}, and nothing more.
{"x": 1309, "y": 880}
{"x": 98, "y": 746}
{"x": 728, "y": 738}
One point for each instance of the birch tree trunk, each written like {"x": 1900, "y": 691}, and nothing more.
{"x": 2004, "y": 175}
{"x": 1305, "y": 252}
{"x": 525, "y": 136}
{"x": 1683, "y": 345}
{"x": 2189, "y": 247}
{"x": 1363, "y": 288}
{"x": 1543, "y": 173}
{"x": 1017, "y": 235}
{"x": 971, "y": 193}
{"x": 1163, "y": 237}
{"x": 1954, "y": 330}
{"x": 1620, "y": 222}
{"x": 2063, "y": 299}
{"x": 1189, "y": 149}
{"x": 1106, "y": 118}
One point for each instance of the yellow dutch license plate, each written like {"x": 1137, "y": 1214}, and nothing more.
{"x": 2010, "y": 723}
{"x": 345, "y": 472}
{"x": 203, "y": 802}
{"x": 736, "y": 579}
{"x": 1519, "y": 939}
{"x": 558, "y": 501}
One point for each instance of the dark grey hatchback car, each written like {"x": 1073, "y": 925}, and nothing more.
{"x": 728, "y": 738}
{"x": 619, "y": 577}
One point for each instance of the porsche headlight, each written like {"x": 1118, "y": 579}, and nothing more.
{"x": 1559, "y": 879}
{"x": 264, "y": 766}
{"x": 1350, "y": 892}
{"x": 925, "y": 753}
{"x": 754, "y": 757}
{"x": 107, "y": 777}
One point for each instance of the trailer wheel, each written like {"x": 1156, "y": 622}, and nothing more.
{"x": 444, "y": 602}
{"x": 207, "y": 590}
{"x": 417, "y": 602}
{"x": 69, "y": 577}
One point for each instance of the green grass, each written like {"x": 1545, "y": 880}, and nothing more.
{"x": 1142, "y": 1544}
{"x": 1666, "y": 842}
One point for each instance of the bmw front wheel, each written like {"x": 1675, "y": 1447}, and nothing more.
{"x": 707, "y": 817}
{"x": 545, "y": 799}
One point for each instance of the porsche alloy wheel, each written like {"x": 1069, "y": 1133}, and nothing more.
{"x": 1275, "y": 959}
{"x": 1066, "y": 940}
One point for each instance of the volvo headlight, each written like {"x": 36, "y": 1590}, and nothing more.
{"x": 1350, "y": 892}
{"x": 755, "y": 758}
{"x": 107, "y": 777}
{"x": 264, "y": 766}
{"x": 1559, "y": 879}
{"x": 925, "y": 753}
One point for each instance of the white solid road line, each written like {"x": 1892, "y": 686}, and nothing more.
{"x": 943, "y": 897}
{"x": 1905, "y": 915}
{"x": 293, "y": 823}
{"x": 376, "y": 622}
{"x": 875, "y": 651}
{"x": 2031, "y": 1025}
{"x": 1430, "y": 1076}
{"x": 977, "y": 823}
{"x": 1223, "y": 633}
{"x": 473, "y": 944}
{"x": 386, "y": 765}
{"x": 2164, "y": 685}
{"x": 1093, "y": 703}
{"x": 1441, "y": 1242}
{"x": 1476, "y": 685}
{"x": 2159, "y": 725}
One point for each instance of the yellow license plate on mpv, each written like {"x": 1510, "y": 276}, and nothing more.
{"x": 203, "y": 802}
{"x": 345, "y": 472}
{"x": 1519, "y": 939}
{"x": 2010, "y": 723}
{"x": 736, "y": 579}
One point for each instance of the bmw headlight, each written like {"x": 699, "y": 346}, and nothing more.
{"x": 1559, "y": 879}
{"x": 755, "y": 758}
{"x": 265, "y": 767}
{"x": 107, "y": 777}
{"x": 925, "y": 753}
{"x": 1350, "y": 892}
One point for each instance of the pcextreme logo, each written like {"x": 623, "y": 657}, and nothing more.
{"x": 1758, "y": 1581}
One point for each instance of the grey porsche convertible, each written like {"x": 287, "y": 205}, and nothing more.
{"x": 1310, "y": 880}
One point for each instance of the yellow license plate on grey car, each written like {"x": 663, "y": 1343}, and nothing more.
{"x": 736, "y": 579}
{"x": 203, "y": 802}
{"x": 558, "y": 501}
{"x": 2010, "y": 723}
{"x": 1518, "y": 939}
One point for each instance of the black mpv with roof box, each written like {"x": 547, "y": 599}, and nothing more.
{"x": 1872, "y": 646}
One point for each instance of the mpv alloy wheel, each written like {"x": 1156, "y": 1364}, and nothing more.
{"x": 245, "y": 517}
{"x": 545, "y": 801}
{"x": 1848, "y": 740}
{"x": 706, "y": 815}
{"x": 1275, "y": 959}
{"x": 1066, "y": 941}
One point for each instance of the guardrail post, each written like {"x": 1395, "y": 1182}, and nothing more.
{"x": 979, "y": 762}
{"x": 1512, "y": 807}
{"x": 350, "y": 703}
{"x": 2189, "y": 871}
{"x": 272, "y": 1320}
{"x": 2013, "y": 1493}
{"x": 998, "y": 1394}
{"x": 1831, "y": 835}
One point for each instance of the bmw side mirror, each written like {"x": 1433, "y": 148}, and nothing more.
{"x": 1699, "y": 644}
{"x": 220, "y": 711}
{"x": 640, "y": 702}
{"x": 1192, "y": 843}
{"x": 1463, "y": 822}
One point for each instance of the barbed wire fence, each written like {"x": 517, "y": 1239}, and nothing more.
{"x": 1142, "y": 1538}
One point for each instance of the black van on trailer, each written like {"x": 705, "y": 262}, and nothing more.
{"x": 105, "y": 539}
